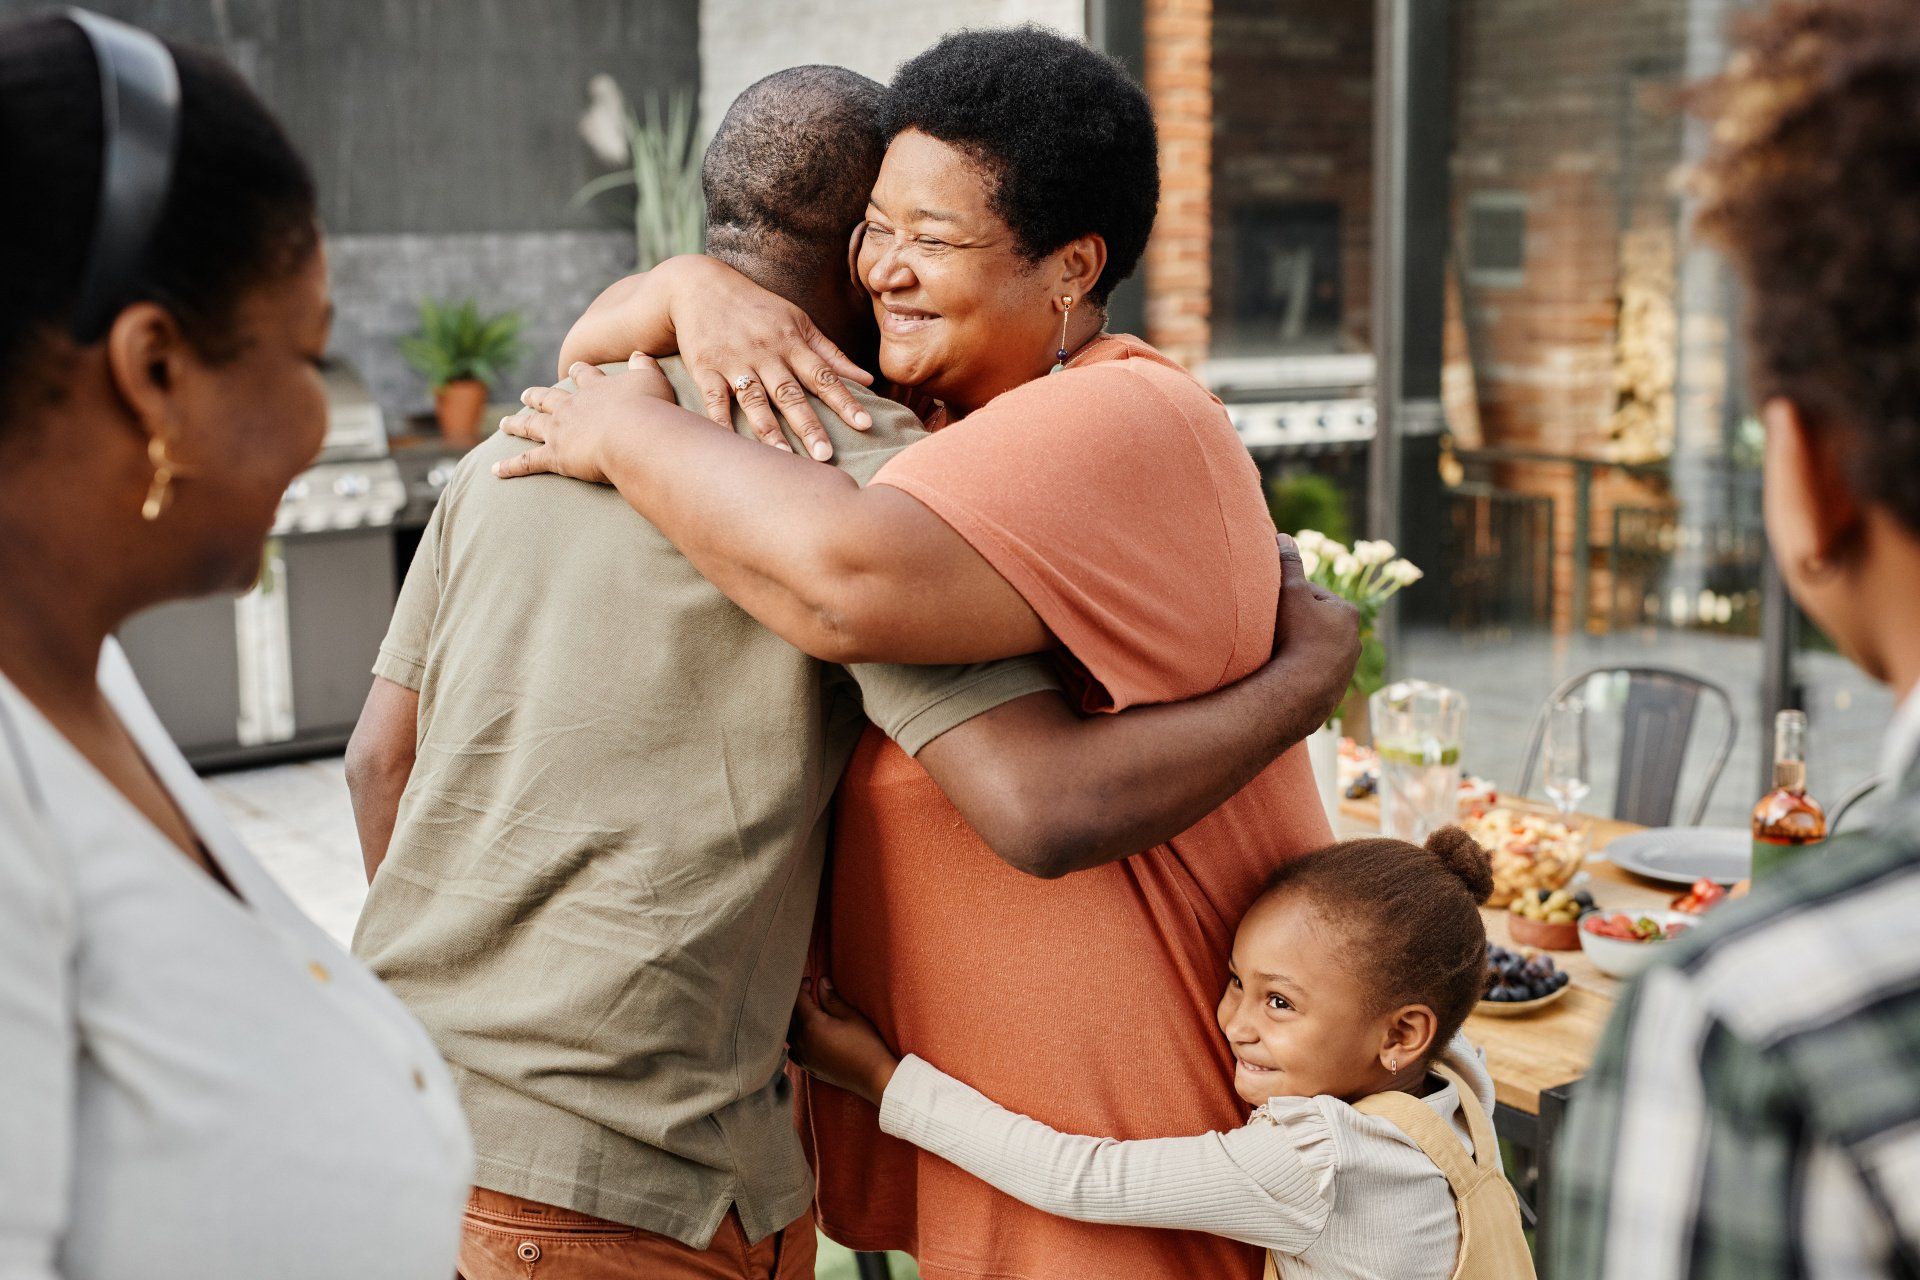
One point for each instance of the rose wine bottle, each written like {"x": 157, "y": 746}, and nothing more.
{"x": 1787, "y": 820}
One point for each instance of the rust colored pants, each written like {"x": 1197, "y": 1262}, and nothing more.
{"x": 506, "y": 1238}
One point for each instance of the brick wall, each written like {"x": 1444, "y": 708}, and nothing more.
{"x": 1558, "y": 103}
{"x": 1293, "y": 121}
{"x": 1564, "y": 105}
{"x": 1178, "y": 76}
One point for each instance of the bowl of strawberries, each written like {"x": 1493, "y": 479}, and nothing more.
{"x": 1623, "y": 944}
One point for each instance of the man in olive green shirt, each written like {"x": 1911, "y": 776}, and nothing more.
{"x": 603, "y": 873}
{"x": 599, "y": 883}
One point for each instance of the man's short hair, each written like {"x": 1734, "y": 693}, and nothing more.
{"x": 794, "y": 160}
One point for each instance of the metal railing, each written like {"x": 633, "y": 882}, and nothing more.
{"x": 1583, "y": 469}
{"x": 1500, "y": 558}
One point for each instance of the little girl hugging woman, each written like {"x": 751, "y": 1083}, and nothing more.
{"x": 1368, "y": 1153}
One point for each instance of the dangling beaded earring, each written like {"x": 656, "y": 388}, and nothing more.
{"x": 1060, "y": 356}
{"x": 160, "y": 492}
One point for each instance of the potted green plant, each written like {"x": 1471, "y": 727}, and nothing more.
{"x": 658, "y": 154}
{"x": 460, "y": 350}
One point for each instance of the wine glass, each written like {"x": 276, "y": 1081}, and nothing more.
{"x": 1567, "y": 783}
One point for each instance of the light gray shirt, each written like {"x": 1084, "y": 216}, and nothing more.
{"x": 194, "y": 1086}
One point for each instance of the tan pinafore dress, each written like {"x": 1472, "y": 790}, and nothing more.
{"x": 1493, "y": 1246}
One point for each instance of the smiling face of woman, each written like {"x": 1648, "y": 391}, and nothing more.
{"x": 963, "y": 314}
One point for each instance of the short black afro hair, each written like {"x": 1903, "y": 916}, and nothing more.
{"x": 1065, "y": 134}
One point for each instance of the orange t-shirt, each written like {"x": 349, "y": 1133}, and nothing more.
{"x": 1117, "y": 499}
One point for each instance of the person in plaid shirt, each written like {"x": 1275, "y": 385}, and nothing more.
{"x": 1754, "y": 1109}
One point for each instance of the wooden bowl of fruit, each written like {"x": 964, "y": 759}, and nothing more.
{"x": 1547, "y": 918}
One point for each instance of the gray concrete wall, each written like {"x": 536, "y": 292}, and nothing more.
{"x": 444, "y": 137}
{"x": 436, "y": 115}
{"x": 549, "y": 277}
{"x": 743, "y": 40}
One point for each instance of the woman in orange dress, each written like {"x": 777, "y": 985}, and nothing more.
{"x": 1082, "y": 494}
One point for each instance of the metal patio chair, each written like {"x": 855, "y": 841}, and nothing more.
{"x": 1657, "y": 722}
{"x": 1860, "y": 791}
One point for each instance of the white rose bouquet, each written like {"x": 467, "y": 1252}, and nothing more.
{"x": 1366, "y": 575}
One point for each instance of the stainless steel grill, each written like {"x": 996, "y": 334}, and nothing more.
{"x": 1296, "y": 405}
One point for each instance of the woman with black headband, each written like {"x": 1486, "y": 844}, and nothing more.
{"x": 196, "y": 1082}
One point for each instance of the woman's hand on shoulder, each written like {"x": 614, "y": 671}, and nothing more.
{"x": 573, "y": 429}
{"x": 836, "y": 1044}
{"x": 739, "y": 341}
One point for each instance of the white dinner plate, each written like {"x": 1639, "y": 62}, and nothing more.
{"x": 1681, "y": 855}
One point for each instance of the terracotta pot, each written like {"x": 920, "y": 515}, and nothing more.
{"x": 459, "y": 405}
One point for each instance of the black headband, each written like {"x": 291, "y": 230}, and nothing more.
{"x": 139, "y": 123}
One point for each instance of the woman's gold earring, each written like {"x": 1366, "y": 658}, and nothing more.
{"x": 160, "y": 492}
{"x": 1060, "y": 356}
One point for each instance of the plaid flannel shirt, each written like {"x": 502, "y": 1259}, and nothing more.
{"x": 1754, "y": 1109}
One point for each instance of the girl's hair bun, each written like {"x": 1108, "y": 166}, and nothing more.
{"x": 1461, "y": 854}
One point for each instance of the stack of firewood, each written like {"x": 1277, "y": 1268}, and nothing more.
{"x": 1645, "y": 349}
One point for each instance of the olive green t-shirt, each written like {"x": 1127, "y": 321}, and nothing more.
{"x": 602, "y": 881}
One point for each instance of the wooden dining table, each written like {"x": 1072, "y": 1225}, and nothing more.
{"x": 1537, "y": 1059}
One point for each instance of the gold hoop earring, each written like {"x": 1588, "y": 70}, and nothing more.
{"x": 1060, "y": 356}
{"x": 160, "y": 492}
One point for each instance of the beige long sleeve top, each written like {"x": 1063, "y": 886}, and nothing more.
{"x": 1333, "y": 1193}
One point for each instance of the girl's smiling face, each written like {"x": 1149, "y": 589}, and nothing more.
{"x": 1300, "y": 1018}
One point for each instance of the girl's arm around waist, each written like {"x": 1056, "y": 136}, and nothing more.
{"x": 1253, "y": 1184}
